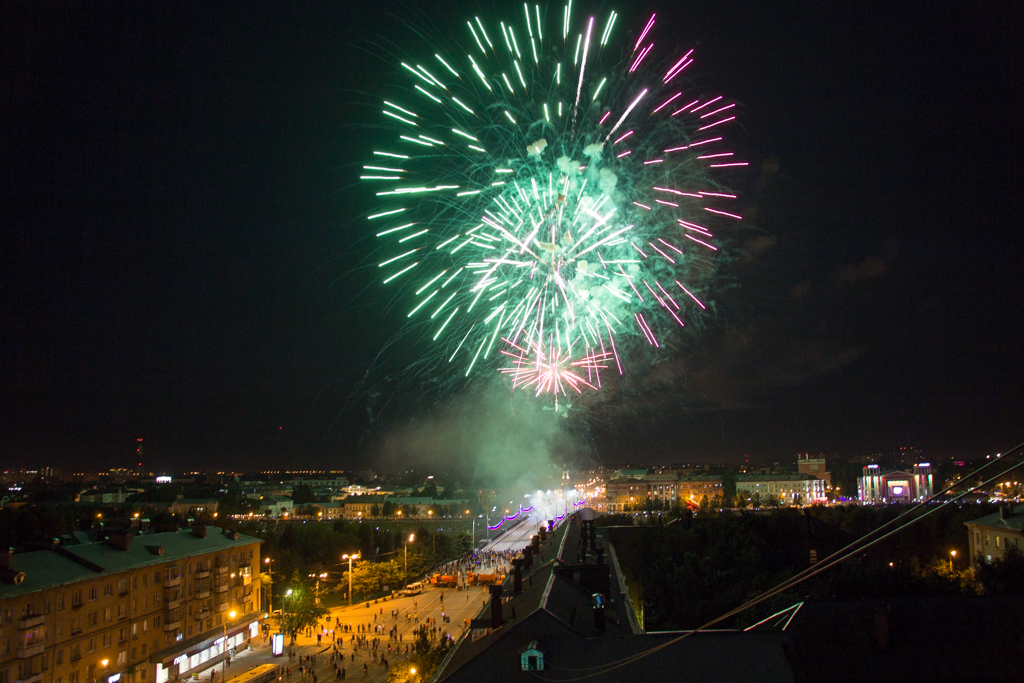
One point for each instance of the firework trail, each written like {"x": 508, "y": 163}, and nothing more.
{"x": 548, "y": 197}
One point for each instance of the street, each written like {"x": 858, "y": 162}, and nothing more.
{"x": 412, "y": 611}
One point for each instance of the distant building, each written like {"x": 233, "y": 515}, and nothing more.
{"x": 194, "y": 507}
{"x": 692, "y": 488}
{"x": 793, "y": 489}
{"x": 814, "y": 466}
{"x": 276, "y": 506}
{"x": 992, "y": 535}
{"x": 625, "y": 492}
{"x": 898, "y": 486}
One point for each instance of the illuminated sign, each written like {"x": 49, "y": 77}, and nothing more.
{"x": 178, "y": 660}
{"x": 113, "y": 679}
{"x": 277, "y": 644}
{"x": 163, "y": 480}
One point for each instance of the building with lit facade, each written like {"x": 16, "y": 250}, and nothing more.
{"x": 897, "y": 486}
{"x": 127, "y": 606}
{"x": 993, "y": 535}
{"x": 790, "y": 489}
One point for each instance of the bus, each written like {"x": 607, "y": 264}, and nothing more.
{"x": 414, "y": 588}
{"x": 264, "y": 673}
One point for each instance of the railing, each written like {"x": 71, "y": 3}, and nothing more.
{"x": 31, "y": 621}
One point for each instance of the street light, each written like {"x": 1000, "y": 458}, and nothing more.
{"x": 412, "y": 537}
{"x": 270, "y": 589}
{"x": 224, "y": 647}
{"x": 350, "y": 558}
{"x": 952, "y": 554}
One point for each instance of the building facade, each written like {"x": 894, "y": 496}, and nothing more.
{"x": 127, "y": 607}
{"x": 876, "y": 486}
{"x": 791, "y": 489}
{"x": 993, "y": 535}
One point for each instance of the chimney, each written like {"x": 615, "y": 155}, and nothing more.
{"x": 496, "y": 620}
{"x": 120, "y": 540}
{"x": 543, "y": 533}
{"x": 7, "y": 560}
{"x": 144, "y": 525}
{"x": 528, "y": 556}
{"x": 517, "y": 575}
{"x": 598, "y": 602}
{"x": 199, "y": 529}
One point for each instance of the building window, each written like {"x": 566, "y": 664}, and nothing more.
{"x": 108, "y": 639}
{"x": 94, "y": 593}
{"x": 73, "y": 677}
{"x": 108, "y": 590}
{"x": 106, "y": 614}
{"x": 122, "y": 657}
{"x": 92, "y": 620}
{"x": 60, "y": 602}
{"x": 76, "y": 652}
{"x": 58, "y": 657}
{"x": 90, "y": 646}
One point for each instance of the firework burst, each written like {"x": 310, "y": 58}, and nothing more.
{"x": 551, "y": 195}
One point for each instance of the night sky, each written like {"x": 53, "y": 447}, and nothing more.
{"x": 180, "y": 259}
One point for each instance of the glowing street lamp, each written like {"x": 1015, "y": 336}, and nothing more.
{"x": 952, "y": 554}
{"x": 350, "y": 558}
{"x": 412, "y": 537}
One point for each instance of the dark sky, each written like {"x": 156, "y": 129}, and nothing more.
{"x": 178, "y": 257}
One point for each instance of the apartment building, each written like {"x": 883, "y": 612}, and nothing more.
{"x": 127, "y": 607}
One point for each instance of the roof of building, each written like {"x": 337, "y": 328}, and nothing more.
{"x": 366, "y": 500}
{"x": 1014, "y": 522}
{"x": 195, "y": 501}
{"x": 51, "y": 568}
{"x": 767, "y": 478}
{"x": 556, "y": 610}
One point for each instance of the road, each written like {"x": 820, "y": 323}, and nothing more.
{"x": 459, "y": 605}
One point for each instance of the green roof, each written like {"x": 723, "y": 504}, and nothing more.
{"x": 1014, "y": 523}
{"x": 51, "y": 568}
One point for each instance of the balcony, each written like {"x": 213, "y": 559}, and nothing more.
{"x": 202, "y": 614}
{"x": 221, "y": 569}
{"x": 246, "y": 579}
{"x": 172, "y": 581}
{"x": 202, "y": 573}
{"x": 221, "y": 588}
{"x": 172, "y": 604}
{"x": 222, "y": 607}
{"x": 172, "y": 626}
{"x": 31, "y": 650}
{"x": 33, "y": 678}
{"x": 31, "y": 621}
{"x": 202, "y": 593}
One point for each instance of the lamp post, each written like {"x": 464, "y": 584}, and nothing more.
{"x": 350, "y": 558}
{"x": 405, "y": 577}
{"x": 224, "y": 647}
{"x": 952, "y": 554}
{"x": 270, "y": 587}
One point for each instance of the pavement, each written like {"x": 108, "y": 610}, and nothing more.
{"x": 459, "y": 605}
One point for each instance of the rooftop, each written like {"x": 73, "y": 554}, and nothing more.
{"x": 81, "y": 558}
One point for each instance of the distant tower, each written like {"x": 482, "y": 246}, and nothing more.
{"x": 138, "y": 455}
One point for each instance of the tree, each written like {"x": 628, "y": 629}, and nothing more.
{"x": 300, "y": 608}
{"x": 388, "y": 509}
{"x": 375, "y": 511}
{"x": 302, "y": 494}
{"x": 1003, "y": 576}
{"x": 371, "y": 577}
